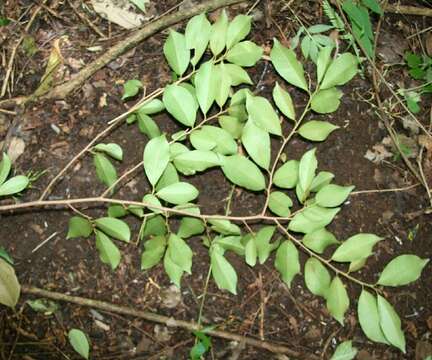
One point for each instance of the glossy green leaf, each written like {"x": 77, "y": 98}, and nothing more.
{"x": 178, "y": 193}
{"x": 315, "y": 130}
{"x": 190, "y": 226}
{"x": 79, "y": 226}
{"x": 263, "y": 115}
{"x": 319, "y": 240}
{"x": 243, "y": 172}
{"x": 245, "y": 53}
{"x": 344, "y": 351}
{"x": 322, "y": 179}
{"x": 14, "y": 185}
{"x": 231, "y": 125}
{"x": 177, "y": 149}
{"x": 224, "y": 227}
{"x": 105, "y": 170}
{"x": 326, "y": 101}
{"x": 337, "y": 299}
{"x": 238, "y": 111}
{"x": 287, "y": 261}
{"x": 204, "y": 138}
{"x": 390, "y": 324}
{"x": 340, "y": 71}
{"x": 251, "y": 252}
{"x": 232, "y": 243}
{"x": 323, "y": 62}
{"x": 9, "y": 286}
{"x": 108, "y": 252}
{"x": 176, "y": 52}
{"x": 79, "y": 342}
{"x": 312, "y": 218}
{"x": 180, "y": 104}
{"x": 333, "y": 195}
{"x": 131, "y": 88}
{"x": 147, "y": 125}
{"x": 117, "y": 211}
{"x": 257, "y": 144}
{"x": 223, "y": 273}
{"x": 238, "y": 75}
{"x": 317, "y": 277}
{"x": 111, "y": 149}
{"x": 356, "y": 247}
{"x": 169, "y": 176}
{"x": 356, "y": 265}
{"x": 5, "y": 255}
{"x": 238, "y": 29}
{"x": 286, "y": 176}
{"x": 218, "y": 34}
{"x": 116, "y": 228}
{"x": 263, "y": 245}
{"x": 152, "y": 200}
{"x": 153, "y": 106}
{"x": 369, "y": 317}
{"x": 283, "y": 101}
{"x": 5, "y": 166}
{"x": 182, "y": 251}
{"x": 156, "y": 158}
{"x": 154, "y": 226}
{"x": 173, "y": 271}
{"x": 206, "y": 86}
{"x": 286, "y": 64}
{"x": 307, "y": 167}
{"x": 280, "y": 203}
{"x": 196, "y": 160}
{"x": 412, "y": 266}
{"x": 197, "y": 35}
{"x": 222, "y": 83}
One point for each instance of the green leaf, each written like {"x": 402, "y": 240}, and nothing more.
{"x": 337, "y": 300}
{"x": 231, "y": 125}
{"x": 14, "y": 185}
{"x": 317, "y": 277}
{"x": 222, "y": 83}
{"x": 182, "y": 251}
{"x": 333, "y": 195}
{"x": 152, "y": 200}
{"x": 197, "y": 35}
{"x": 154, "y": 250}
{"x": 105, "y": 170}
{"x": 323, "y": 62}
{"x": 319, "y": 240}
{"x": 116, "y": 211}
{"x": 46, "y": 307}
{"x": 286, "y": 64}
{"x": 116, "y": 228}
{"x": 263, "y": 245}
{"x": 232, "y": 243}
{"x": 176, "y": 52}
{"x": 238, "y": 29}
{"x": 154, "y": 226}
{"x": 284, "y": 102}
{"x": 169, "y": 176}
{"x": 243, "y": 172}
{"x": 250, "y": 247}
{"x": 131, "y": 88}
{"x": 147, "y": 125}
{"x": 176, "y": 149}
{"x": 196, "y": 160}
{"x": 204, "y": 138}
{"x": 218, "y": 34}
{"x": 373, "y": 5}
{"x": 238, "y": 76}
{"x": 356, "y": 265}
{"x": 356, "y": 247}
{"x": 306, "y": 45}
{"x": 5, "y": 255}
{"x": 280, "y": 203}
{"x": 238, "y": 111}
{"x": 322, "y": 179}
{"x": 286, "y": 176}
{"x": 111, "y": 149}
{"x": 78, "y": 226}
{"x": 181, "y": 104}
{"x": 5, "y": 166}
{"x": 369, "y": 317}
{"x": 307, "y": 167}
{"x": 190, "y": 226}
{"x": 108, "y": 252}
{"x": 224, "y": 227}
{"x": 319, "y": 28}
{"x": 287, "y": 261}
{"x": 315, "y": 130}
{"x": 9, "y": 285}
{"x": 245, "y": 53}
{"x": 326, "y": 101}
{"x": 223, "y": 273}
{"x": 140, "y": 4}
{"x": 79, "y": 342}
{"x": 263, "y": 115}
{"x": 344, "y": 351}
{"x": 178, "y": 193}
{"x": 153, "y": 106}
{"x": 156, "y": 158}
{"x": 174, "y": 271}
{"x": 257, "y": 143}
{"x": 340, "y": 71}
{"x": 412, "y": 267}
{"x": 205, "y": 85}
{"x": 312, "y": 218}
{"x": 390, "y": 324}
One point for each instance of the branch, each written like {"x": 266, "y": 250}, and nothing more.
{"x": 408, "y": 10}
{"x": 168, "y": 321}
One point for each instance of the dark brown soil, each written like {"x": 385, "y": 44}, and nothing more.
{"x": 292, "y": 317}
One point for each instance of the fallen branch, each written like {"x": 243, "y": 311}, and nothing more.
{"x": 168, "y": 321}
{"x": 408, "y": 10}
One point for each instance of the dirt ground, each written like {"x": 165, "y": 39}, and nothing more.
{"x": 53, "y": 131}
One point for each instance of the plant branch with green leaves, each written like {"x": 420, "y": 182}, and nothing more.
{"x": 226, "y": 126}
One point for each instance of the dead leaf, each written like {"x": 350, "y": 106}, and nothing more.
{"x": 423, "y": 350}
{"x": 428, "y": 43}
{"x": 171, "y": 297}
{"x": 119, "y": 12}
{"x": 378, "y": 153}
{"x": 16, "y": 148}
{"x": 162, "y": 333}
